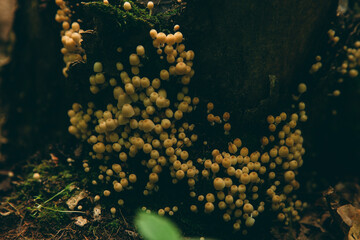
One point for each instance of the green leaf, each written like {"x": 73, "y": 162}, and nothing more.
{"x": 154, "y": 227}
{"x": 199, "y": 238}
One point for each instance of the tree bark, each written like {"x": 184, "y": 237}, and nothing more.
{"x": 238, "y": 44}
{"x": 32, "y": 90}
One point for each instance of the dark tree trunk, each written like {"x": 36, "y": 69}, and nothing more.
{"x": 33, "y": 90}
{"x": 238, "y": 44}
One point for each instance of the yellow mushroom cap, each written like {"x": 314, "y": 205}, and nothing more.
{"x": 118, "y": 187}
{"x": 219, "y": 184}
{"x": 302, "y": 88}
{"x": 210, "y": 106}
{"x": 148, "y": 125}
{"x": 99, "y": 147}
{"x": 65, "y": 25}
{"x": 134, "y": 59}
{"x": 113, "y": 210}
{"x": 161, "y": 102}
{"x": 98, "y": 67}
{"x": 289, "y": 176}
{"x": 170, "y": 39}
{"x": 150, "y": 5}
{"x": 132, "y": 178}
{"x": 75, "y": 26}
{"x": 248, "y": 208}
{"x": 178, "y": 37}
{"x": 161, "y": 37}
{"x": 209, "y": 207}
{"x": 353, "y": 73}
{"x": 283, "y": 151}
{"x": 36, "y": 176}
{"x": 140, "y": 50}
{"x": 127, "y": 6}
{"x": 116, "y": 167}
{"x": 153, "y": 177}
{"x": 153, "y": 33}
{"x": 99, "y": 78}
{"x": 245, "y": 178}
{"x": 336, "y": 93}
{"x": 180, "y": 174}
{"x": 227, "y": 127}
{"x": 127, "y": 110}
{"x": 180, "y": 68}
{"x": 164, "y": 74}
{"x": 249, "y": 222}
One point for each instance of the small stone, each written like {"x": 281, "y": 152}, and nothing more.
{"x": 80, "y": 221}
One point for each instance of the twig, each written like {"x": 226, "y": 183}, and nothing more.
{"x": 63, "y": 211}
{"x": 17, "y": 211}
{"x": 127, "y": 225}
{"x": 66, "y": 188}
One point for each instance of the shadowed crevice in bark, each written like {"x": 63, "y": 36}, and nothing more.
{"x": 240, "y": 43}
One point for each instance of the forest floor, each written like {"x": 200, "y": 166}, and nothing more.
{"x": 36, "y": 208}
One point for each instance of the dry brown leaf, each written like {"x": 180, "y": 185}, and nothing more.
{"x": 351, "y": 217}
{"x": 312, "y": 221}
{"x": 304, "y": 232}
{"x": 349, "y": 191}
{"x": 74, "y": 200}
{"x": 348, "y": 213}
{"x": 81, "y": 221}
{"x": 324, "y": 217}
{"x": 354, "y": 232}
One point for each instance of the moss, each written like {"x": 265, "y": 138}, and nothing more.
{"x": 53, "y": 179}
{"x": 129, "y": 19}
{"x": 52, "y": 215}
{"x": 114, "y": 225}
{"x": 44, "y": 199}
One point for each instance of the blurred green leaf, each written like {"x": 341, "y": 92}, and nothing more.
{"x": 198, "y": 238}
{"x": 154, "y": 227}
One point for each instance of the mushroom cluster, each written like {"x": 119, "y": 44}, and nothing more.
{"x": 350, "y": 65}
{"x": 70, "y": 36}
{"x": 141, "y": 122}
{"x": 144, "y": 133}
{"x": 244, "y": 182}
{"x": 347, "y": 55}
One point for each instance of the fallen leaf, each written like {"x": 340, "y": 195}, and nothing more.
{"x": 97, "y": 213}
{"x": 74, "y": 200}
{"x": 312, "y": 221}
{"x": 132, "y": 233}
{"x": 348, "y": 214}
{"x": 80, "y": 221}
